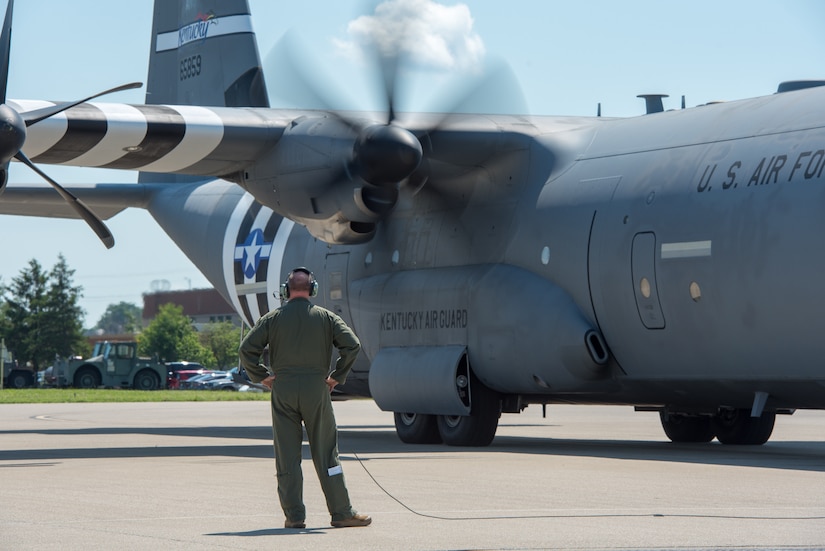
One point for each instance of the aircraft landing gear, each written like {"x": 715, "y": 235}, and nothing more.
{"x": 417, "y": 428}
{"x": 680, "y": 427}
{"x": 478, "y": 428}
{"x": 729, "y": 426}
{"x": 736, "y": 426}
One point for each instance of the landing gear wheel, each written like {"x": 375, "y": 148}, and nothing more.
{"x": 478, "y": 428}
{"x": 146, "y": 380}
{"x": 737, "y": 427}
{"x": 683, "y": 428}
{"x": 417, "y": 428}
{"x": 87, "y": 377}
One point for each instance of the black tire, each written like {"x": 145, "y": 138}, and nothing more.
{"x": 683, "y": 428}
{"x": 417, "y": 428}
{"x": 146, "y": 379}
{"x": 478, "y": 428}
{"x": 737, "y": 427}
{"x": 20, "y": 379}
{"x": 87, "y": 377}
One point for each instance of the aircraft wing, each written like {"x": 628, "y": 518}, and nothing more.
{"x": 107, "y": 200}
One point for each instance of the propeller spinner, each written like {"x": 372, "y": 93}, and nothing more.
{"x": 385, "y": 154}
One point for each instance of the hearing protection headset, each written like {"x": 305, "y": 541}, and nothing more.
{"x": 313, "y": 283}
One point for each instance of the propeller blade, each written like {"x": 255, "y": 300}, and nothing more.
{"x": 81, "y": 209}
{"x": 494, "y": 86}
{"x": 304, "y": 88}
{"x": 389, "y": 65}
{"x": 5, "y": 45}
{"x": 37, "y": 115}
{"x": 14, "y": 124}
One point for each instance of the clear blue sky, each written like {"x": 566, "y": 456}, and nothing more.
{"x": 567, "y": 57}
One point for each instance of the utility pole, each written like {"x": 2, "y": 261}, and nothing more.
{"x": 2, "y": 362}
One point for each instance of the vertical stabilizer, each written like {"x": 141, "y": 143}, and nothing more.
{"x": 204, "y": 53}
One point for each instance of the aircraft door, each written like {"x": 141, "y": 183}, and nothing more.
{"x": 645, "y": 288}
{"x": 334, "y": 288}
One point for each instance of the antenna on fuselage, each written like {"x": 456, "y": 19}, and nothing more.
{"x": 653, "y": 102}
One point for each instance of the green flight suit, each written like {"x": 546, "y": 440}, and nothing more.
{"x": 300, "y": 336}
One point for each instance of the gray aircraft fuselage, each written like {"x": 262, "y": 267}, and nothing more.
{"x": 686, "y": 239}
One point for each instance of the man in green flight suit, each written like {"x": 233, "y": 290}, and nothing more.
{"x": 300, "y": 336}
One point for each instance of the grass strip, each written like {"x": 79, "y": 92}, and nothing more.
{"x": 84, "y": 395}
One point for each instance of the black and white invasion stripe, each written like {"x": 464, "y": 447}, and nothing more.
{"x": 211, "y": 141}
{"x": 255, "y": 241}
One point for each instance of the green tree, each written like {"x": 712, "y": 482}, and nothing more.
{"x": 26, "y": 300}
{"x": 42, "y": 314}
{"x": 5, "y": 323}
{"x": 63, "y": 330}
{"x": 171, "y": 337}
{"x": 222, "y": 339}
{"x": 122, "y": 317}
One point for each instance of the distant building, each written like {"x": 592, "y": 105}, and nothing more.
{"x": 202, "y": 306}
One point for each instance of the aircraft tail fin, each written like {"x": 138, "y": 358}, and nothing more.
{"x": 204, "y": 53}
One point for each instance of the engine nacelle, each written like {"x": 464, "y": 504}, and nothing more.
{"x": 334, "y": 177}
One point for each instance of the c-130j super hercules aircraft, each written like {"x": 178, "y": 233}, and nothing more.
{"x": 667, "y": 261}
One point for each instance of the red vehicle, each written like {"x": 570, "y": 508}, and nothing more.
{"x": 180, "y": 371}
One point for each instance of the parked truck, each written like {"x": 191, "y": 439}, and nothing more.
{"x": 113, "y": 364}
{"x": 14, "y": 376}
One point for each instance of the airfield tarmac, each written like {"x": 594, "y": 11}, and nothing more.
{"x": 201, "y": 476}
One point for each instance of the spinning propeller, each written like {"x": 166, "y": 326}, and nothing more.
{"x": 13, "y": 127}
{"x": 386, "y": 155}
{"x": 383, "y": 153}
